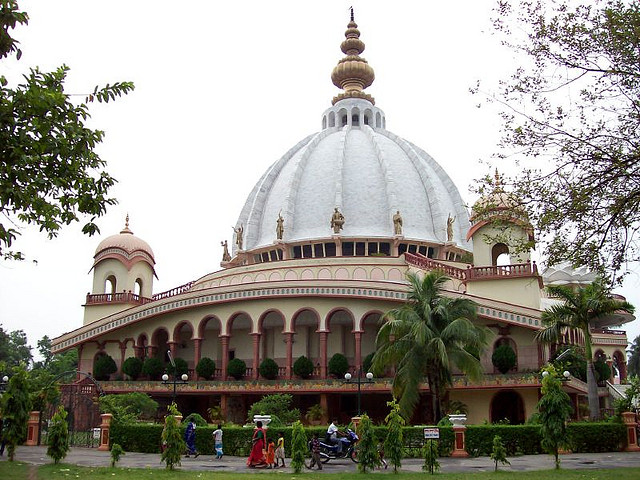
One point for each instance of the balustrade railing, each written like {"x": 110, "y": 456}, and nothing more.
{"x": 122, "y": 297}
{"x": 430, "y": 264}
{"x": 173, "y": 292}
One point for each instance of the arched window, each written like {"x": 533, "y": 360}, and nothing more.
{"x": 332, "y": 119}
{"x": 110, "y": 285}
{"x": 499, "y": 250}
{"x": 378, "y": 120}
{"x": 507, "y": 405}
{"x": 324, "y": 122}
{"x": 137, "y": 287}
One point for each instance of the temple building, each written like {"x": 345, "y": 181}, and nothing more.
{"x": 320, "y": 252}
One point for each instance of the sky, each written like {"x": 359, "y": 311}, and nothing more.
{"x": 223, "y": 90}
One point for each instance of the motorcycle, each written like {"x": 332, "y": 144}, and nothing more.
{"x": 329, "y": 451}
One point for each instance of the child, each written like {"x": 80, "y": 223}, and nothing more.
{"x": 217, "y": 442}
{"x": 271, "y": 451}
{"x": 381, "y": 454}
{"x": 280, "y": 450}
{"x": 315, "y": 452}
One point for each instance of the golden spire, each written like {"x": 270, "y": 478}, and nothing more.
{"x": 126, "y": 225}
{"x": 353, "y": 74}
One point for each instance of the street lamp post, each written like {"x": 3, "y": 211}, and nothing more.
{"x": 165, "y": 378}
{"x": 369, "y": 379}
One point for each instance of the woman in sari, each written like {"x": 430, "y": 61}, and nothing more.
{"x": 256, "y": 457}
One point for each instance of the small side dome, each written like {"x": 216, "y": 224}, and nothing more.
{"x": 497, "y": 203}
{"x": 125, "y": 247}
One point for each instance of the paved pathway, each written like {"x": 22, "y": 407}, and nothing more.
{"x": 91, "y": 457}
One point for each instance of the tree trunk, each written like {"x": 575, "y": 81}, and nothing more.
{"x": 592, "y": 391}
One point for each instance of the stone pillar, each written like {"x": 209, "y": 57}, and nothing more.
{"x": 105, "y": 426}
{"x": 323, "y": 354}
{"x": 356, "y": 423}
{"x": 224, "y": 341}
{"x": 197, "y": 352}
{"x": 123, "y": 352}
{"x": 459, "y": 442}
{"x": 224, "y": 406}
{"x": 256, "y": 355}
{"x": 629, "y": 419}
{"x": 33, "y": 425}
{"x": 324, "y": 404}
{"x": 288, "y": 339}
{"x": 358, "y": 350}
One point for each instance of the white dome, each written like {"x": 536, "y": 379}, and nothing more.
{"x": 365, "y": 171}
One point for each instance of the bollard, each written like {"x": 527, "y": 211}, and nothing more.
{"x": 629, "y": 419}
{"x": 105, "y": 426}
{"x": 32, "y": 429}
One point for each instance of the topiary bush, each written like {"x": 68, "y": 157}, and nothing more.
{"x": 603, "y": 371}
{"x": 206, "y": 368}
{"x": 236, "y": 368}
{"x": 153, "y": 368}
{"x": 504, "y": 359}
{"x": 197, "y": 419}
{"x": 132, "y": 367}
{"x": 338, "y": 365}
{"x": 303, "y": 367}
{"x": 268, "y": 369}
{"x": 181, "y": 367}
{"x": 103, "y": 367}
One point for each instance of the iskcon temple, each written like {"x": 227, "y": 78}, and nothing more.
{"x": 320, "y": 252}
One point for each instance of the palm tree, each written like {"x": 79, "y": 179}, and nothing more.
{"x": 633, "y": 364}
{"x": 578, "y": 312}
{"x": 426, "y": 336}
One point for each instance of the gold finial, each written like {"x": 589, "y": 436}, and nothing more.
{"x": 353, "y": 74}
{"x": 126, "y": 225}
{"x": 497, "y": 182}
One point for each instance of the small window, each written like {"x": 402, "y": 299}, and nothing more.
{"x": 344, "y": 120}
{"x": 402, "y": 248}
{"x": 373, "y": 248}
{"x": 317, "y": 250}
{"x": 355, "y": 120}
{"x": 431, "y": 252}
{"x": 366, "y": 120}
{"x": 297, "y": 251}
{"x": 279, "y": 254}
{"x": 385, "y": 248}
{"x": 306, "y": 251}
{"x": 422, "y": 250}
{"x": 137, "y": 287}
{"x": 110, "y": 285}
{"x": 265, "y": 256}
{"x": 347, "y": 249}
{"x": 232, "y": 354}
{"x": 360, "y": 248}
{"x": 412, "y": 248}
{"x": 330, "y": 249}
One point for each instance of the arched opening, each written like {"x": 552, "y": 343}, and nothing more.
{"x": 184, "y": 347}
{"x": 209, "y": 332}
{"x": 619, "y": 367}
{"x": 355, "y": 117}
{"x": 511, "y": 344}
{"x": 378, "y": 120}
{"x": 305, "y": 323}
{"x": 344, "y": 118}
{"x": 508, "y": 405}
{"x": 272, "y": 343}
{"x": 499, "y": 250}
{"x": 370, "y": 327}
{"x": 332, "y": 119}
{"x": 141, "y": 346}
{"x": 160, "y": 344}
{"x": 324, "y": 122}
{"x": 340, "y": 338}
{"x": 240, "y": 341}
{"x": 110, "y": 285}
{"x": 137, "y": 287}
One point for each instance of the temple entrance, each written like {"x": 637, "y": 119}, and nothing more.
{"x": 507, "y": 405}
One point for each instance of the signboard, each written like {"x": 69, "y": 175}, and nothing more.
{"x": 96, "y": 433}
{"x": 432, "y": 433}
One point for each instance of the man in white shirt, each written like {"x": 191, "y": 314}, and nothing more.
{"x": 333, "y": 435}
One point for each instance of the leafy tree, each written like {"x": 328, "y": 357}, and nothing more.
{"x": 50, "y": 174}
{"x": 236, "y": 368}
{"x": 116, "y": 453}
{"x": 129, "y": 407}
{"x": 633, "y": 364}
{"x": 278, "y": 405}
{"x": 14, "y": 349}
{"x": 603, "y": 371}
{"x": 172, "y": 439}
{"x": 268, "y": 369}
{"x": 338, "y": 365}
{"x": 368, "y": 457}
{"x": 181, "y": 367}
{"x": 554, "y": 408}
{"x": 303, "y": 367}
{"x": 570, "y": 119}
{"x": 431, "y": 463}
{"x": 504, "y": 358}
{"x": 15, "y": 405}
{"x": 367, "y": 363}
{"x": 132, "y": 367}
{"x": 103, "y": 367}
{"x": 572, "y": 360}
{"x": 197, "y": 419}
{"x": 153, "y": 368}
{"x": 499, "y": 453}
{"x": 206, "y": 368}
{"x": 426, "y": 336}
{"x": 393, "y": 443}
{"x": 629, "y": 402}
{"x": 579, "y": 310}
{"x": 58, "y": 437}
{"x": 298, "y": 446}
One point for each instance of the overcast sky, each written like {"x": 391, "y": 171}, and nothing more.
{"x": 224, "y": 89}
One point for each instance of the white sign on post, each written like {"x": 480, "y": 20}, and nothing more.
{"x": 432, "y": 433}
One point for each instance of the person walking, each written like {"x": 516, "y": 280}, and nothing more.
{"x": 271, "y": 453}
{"x": 280, "y": 450}
{"x": 256, "y": 457}
{"x": 217, "y": 442}
{"x": 315, "y": 452}
{"x": 190, "y": 439}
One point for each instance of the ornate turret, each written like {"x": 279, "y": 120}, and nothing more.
{"x": 353, "y": 74}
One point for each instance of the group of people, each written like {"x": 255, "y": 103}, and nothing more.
{"x": 190, "y": 441}
{"x": 264, "y": 451}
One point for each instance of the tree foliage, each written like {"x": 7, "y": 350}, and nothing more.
{"x": 633, "y": 364}
{"x": 181, "y": 367}
{"x": 504, "y": 358}
{"x": 129, "y": 407}
{"x": 571, "y": 118}
{"x": 50, "y": 174}
{"x": 132, "y": 367}
{"x": 268, "y": 369}
{"x": 236, "y": 368}
{"x": 338, "y": 365}
{"x": 393, "y": 442}
{"x": 554, "y": 408}
{"x": 103, "y": 367}
{"x": 14, "y": 349}
{"x": 431, "y": 463}
{"x": 298, "y": 447}
{"x": 153, "y": 368}
{"x": 173, "y": 444}
{"x": 368, "y": 456}
{"x": 579, "y": 310}
{"x": 206, "y": 368}
{"x": 498, "y": 453}
{"x": 58, "y": 436}
{"x": 116, "y": 452}
{"x": 303, "y": 367}
{"x": 15, "y": 405}
{"x": 279, "y": 405}
{"x": 425, "y": 337}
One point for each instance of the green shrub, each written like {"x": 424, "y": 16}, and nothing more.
{"x": 236, "y": 368}
{"x": 367, "y": 362}
{"x": 517, "y": 439}
{"x": 596, "y": 436}
{"x": 116, "y": 453}
{"x": 181, "y": 367}
{"x": 153, "y": 368}
{"x": 197, "y": 419}
{"x": 504, "y": 358}
{"x": 574, "y": 362}
{"x": 603, "y": 371}
{"x": 278, "y": 406}
{"x": 303, "y": 367}
{"x": 129, "y": 407}
{"x": 58, "y": 437}
{"x": 206, "y": 368}
{"x": 268, "y": 369}
{"x": 338, "y": 365}
{"x": 103, "y": 367}
{"x": 132, "y": 367}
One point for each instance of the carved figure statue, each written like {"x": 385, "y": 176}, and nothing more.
{"x": 225, "y": 251}
{"x": 397, "y": 223}
{"x": 279, "y": 227}
{"x": 239, "y": 231}
{"x": 337, "y": 221}
{"x": 450, "y": 221}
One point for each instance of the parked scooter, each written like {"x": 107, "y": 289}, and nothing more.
{"x": 329, "y": 451}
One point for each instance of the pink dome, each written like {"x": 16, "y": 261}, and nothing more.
{"x": 127, "y": 241}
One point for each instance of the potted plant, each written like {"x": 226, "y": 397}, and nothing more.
{"x": 315, "y": 414}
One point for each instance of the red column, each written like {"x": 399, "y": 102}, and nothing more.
{"x": 32, "y": 428}
{"x": 323, "y": 354}
{"x": 224, "y": 341}
{"x": 256, "y": 355}
{"x": 224, "y": 408}
{"x": 172, "y": 348}
{"x": 629, "y": 419}
{"x": 358, "y": 341}
{"x": 105, "y": 426}
{"x": 123, "y": 352}
{"x": 288, "y": 338}
{"x": 459, "y": 442}
{"x": 197, "y": 351}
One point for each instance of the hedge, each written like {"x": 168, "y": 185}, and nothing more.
{"x": 517, "y": 439}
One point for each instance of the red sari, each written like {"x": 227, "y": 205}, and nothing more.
{"x": 256, "y": 457}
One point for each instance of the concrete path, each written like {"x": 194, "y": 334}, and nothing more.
{"x": 91, "y": 457}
